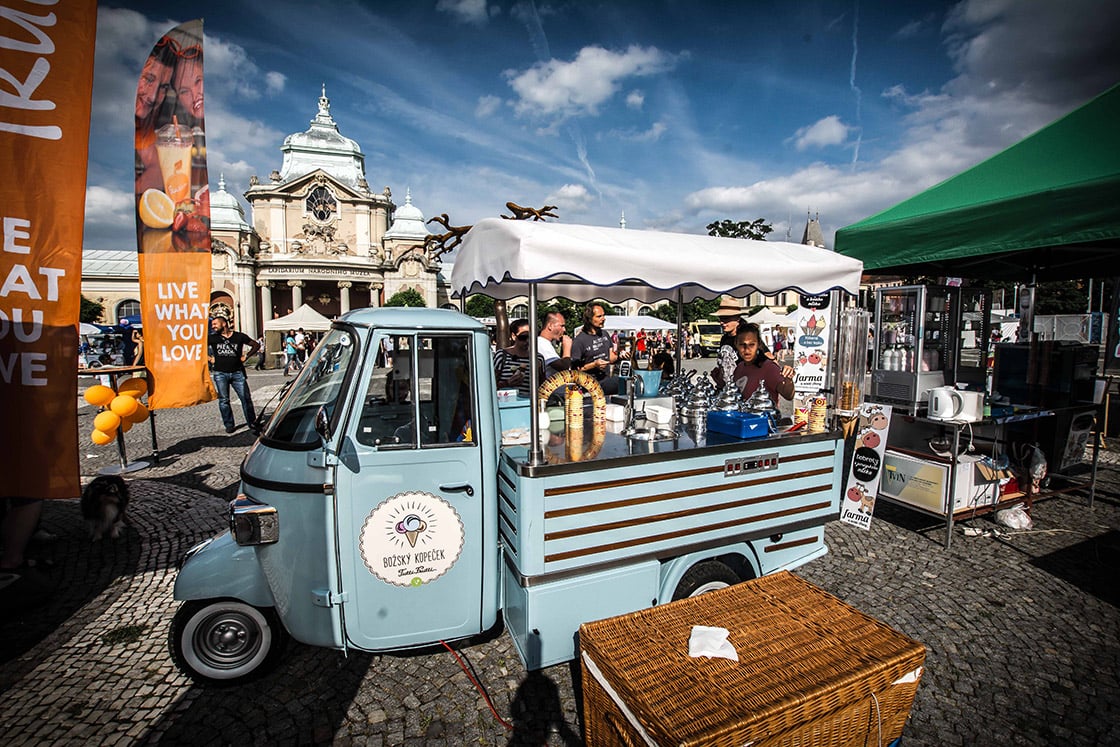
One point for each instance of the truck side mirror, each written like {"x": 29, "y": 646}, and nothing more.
{"x": 323, "y": 424}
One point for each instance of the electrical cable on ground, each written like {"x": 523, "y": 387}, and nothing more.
{"x": 478, "y": 686}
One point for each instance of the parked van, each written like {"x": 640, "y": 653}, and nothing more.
{"x": 705, "y": 337}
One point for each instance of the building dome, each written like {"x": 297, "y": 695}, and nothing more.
{"x": 225, "y": 211}
{"x": 323, "y": 147}
{"x": 408, "y": 222}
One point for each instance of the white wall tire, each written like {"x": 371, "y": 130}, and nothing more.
{"x": 224, "y": 641}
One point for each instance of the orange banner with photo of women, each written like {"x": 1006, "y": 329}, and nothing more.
{"x": 173, "y": 218}
{"x": 46, "y": 54}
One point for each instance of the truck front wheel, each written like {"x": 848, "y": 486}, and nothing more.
{"x": 224, "y": 641}
{"x": 705, "y": 576}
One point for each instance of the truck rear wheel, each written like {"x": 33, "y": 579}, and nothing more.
{"x": 705, "y": 576}
{"x": 224, "y": 641}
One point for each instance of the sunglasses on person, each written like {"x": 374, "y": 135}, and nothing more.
{"x": 186, "y": 53}
{"x": 523, "y": 337}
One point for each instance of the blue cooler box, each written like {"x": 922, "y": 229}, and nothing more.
{"x": 739, "y": 424}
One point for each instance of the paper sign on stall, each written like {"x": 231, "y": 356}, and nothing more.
{"x": 867, "y": 465}
{"x": 811, "y": 349}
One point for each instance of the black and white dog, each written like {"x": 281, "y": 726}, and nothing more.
{"x": 103, "y": 505}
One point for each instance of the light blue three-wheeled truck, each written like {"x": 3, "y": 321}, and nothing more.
{"x": 379, "y": 509}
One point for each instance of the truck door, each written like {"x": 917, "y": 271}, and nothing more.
{"x": 410, "y": 485}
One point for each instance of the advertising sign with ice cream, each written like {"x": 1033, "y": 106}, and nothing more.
{"x": 813, "y": 334}
{"x": 411, "y": 539}
{"x": 867, "y": 465}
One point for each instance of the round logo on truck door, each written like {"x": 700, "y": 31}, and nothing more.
{"x": 411, "y": 538}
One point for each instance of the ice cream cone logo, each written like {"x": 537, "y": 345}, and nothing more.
{"x": 411, "y": 539}
{"x": 411, "y": 526}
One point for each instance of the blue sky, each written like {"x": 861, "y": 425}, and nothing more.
{"x": 675, "y": 113}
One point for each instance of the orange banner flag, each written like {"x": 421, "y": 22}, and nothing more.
{"x": 46, "y": 55}
{"x": 173, "y": 218}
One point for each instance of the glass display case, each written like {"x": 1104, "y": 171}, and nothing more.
{"x": 913, "y": 344}
{"x": 974, "y": 337}
{"x": 928, "y": 336}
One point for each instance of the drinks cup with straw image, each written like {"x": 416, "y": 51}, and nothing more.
{"x": 173, "y": 148}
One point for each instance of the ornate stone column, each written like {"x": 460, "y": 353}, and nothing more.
{"x": 374, "y": 293}
{"x": 297, "y": 293}
{"x": 344, "y": 295}
{"x": 266, "y": 300}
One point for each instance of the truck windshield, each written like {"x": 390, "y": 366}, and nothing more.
{"x": 319, "y": 384}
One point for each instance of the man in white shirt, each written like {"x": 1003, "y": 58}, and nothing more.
{"x": 551, "y": 338}
{"x": 301, "y": 345}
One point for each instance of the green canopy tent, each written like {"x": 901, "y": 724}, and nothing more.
{"x": 1046, "y": 208}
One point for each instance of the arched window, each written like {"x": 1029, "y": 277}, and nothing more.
{"x": 520, "y": 311}
{"x": 321, "y": 204}
{"x": 645, "y": 310}
{"x": 451, "y": 306}
{"x": 127, "y": 308}
{"x": 618, "y": 311}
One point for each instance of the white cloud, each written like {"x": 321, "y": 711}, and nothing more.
{"x": 652, "y": 135}
{"x": 635, "y": 99}
{"x": 274, "y": 82}
{"x": 571, "y": 197}
{"x": 467, "y": 11}
{"x": 566, "y": 89}
{"x": 486, "y": 106}
{"x": 1020, "y": 66}
{"x": 824, "y": 132}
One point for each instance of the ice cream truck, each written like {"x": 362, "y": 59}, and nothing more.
{"x": 394, "y": 502}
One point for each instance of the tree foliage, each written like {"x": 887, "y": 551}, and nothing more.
{"x": 480, "y": 305}
{"x": 693, "y": 310}
{"x": 91, "y": 311}
{"x": 755, "y": 229}
{"x": 406, "y": 297}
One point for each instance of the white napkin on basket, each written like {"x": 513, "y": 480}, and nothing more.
{"x": 711, "y": 642}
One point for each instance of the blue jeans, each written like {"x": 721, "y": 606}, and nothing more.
{"x": 222, "y": 382}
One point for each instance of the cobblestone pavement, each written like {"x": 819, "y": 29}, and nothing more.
{"x": 1022, "y": 630}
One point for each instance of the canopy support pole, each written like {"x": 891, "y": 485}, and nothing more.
{"x": 680, "y": 329}
{"x": 536, "y": 454}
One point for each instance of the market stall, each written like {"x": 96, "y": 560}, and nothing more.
{"x": 1044, "y": 208}
{"x": 506, "y": 259}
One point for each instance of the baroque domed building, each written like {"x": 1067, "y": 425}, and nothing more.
{"x": 318, "y": 235}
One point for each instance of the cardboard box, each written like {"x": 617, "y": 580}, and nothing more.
{"x": 811, "y": 670}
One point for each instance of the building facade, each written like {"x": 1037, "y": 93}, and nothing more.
{"x": 317, "y": 235}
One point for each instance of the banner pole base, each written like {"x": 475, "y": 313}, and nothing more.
{"x": 118, "y": 469}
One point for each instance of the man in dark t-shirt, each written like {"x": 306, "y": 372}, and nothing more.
{"x": 592, "y": 349}
{"x": 227, "y": 351}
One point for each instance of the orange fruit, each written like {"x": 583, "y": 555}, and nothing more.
{"x": 157, "y": 210}
{"x": 123, "y": 405}
{"x": 134, "y": 387}
{"x": 141, "y": 413}
{"x": 107, "y": 421}
{"x": 99, "y": 395}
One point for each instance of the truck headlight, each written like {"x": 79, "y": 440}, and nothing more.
{"x": 253, "y": 523}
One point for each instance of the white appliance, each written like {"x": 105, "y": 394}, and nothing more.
{"x": 924, "y": 483}
{"x": 949, "y": 403}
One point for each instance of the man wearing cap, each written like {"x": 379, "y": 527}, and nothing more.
{"x": 227, "y": 367}
{"x": 730, "y": 314}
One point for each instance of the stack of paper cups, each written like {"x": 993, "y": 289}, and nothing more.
{"x": 573, "y": 405}
{"x": 818, "y": 414}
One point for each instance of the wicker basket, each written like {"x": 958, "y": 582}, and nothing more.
{"x": 812, "y": 671}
